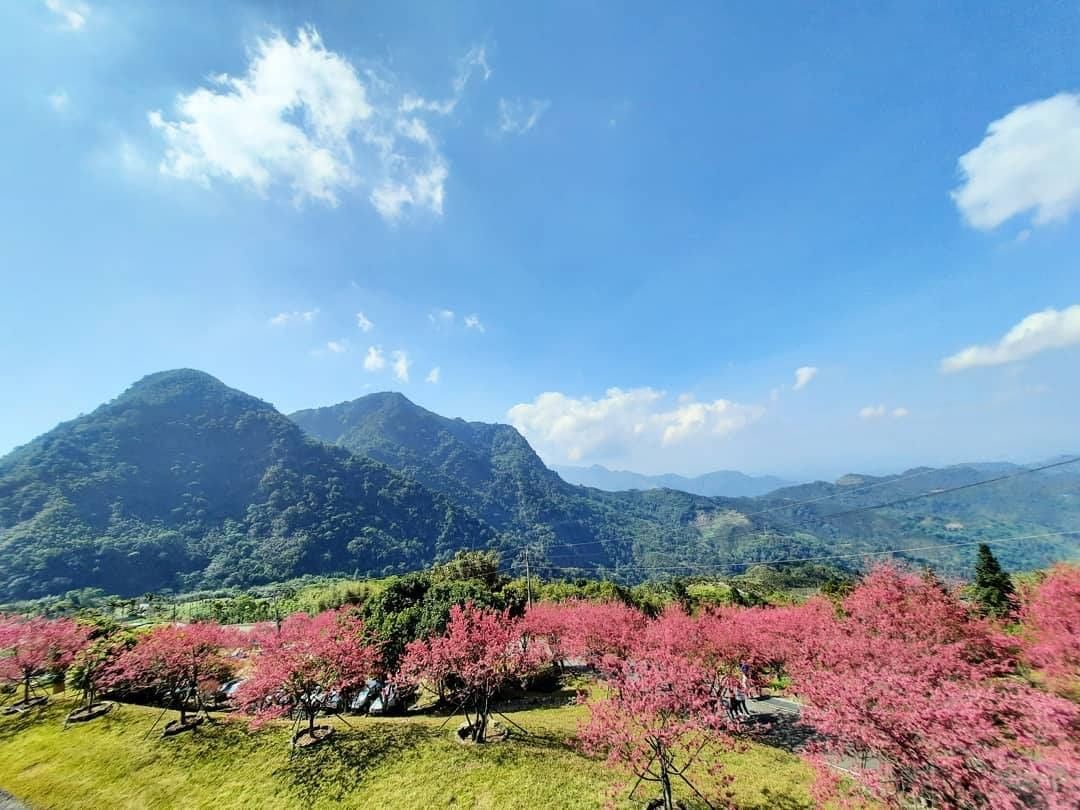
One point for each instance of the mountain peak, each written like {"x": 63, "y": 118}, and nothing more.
{"x": 185, "y": 389}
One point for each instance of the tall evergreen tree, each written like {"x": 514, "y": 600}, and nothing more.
{"x": 993, "y": 589}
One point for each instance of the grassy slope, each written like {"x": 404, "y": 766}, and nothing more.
{"x": 393, "y": 763}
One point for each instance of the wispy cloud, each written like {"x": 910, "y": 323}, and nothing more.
{"x": 1038, "y": 332}
{"x": 433, "y": 375}
{"x": 73, "y": 15}
{"x": 302, "y": 117}
{"x": 803, "y": 376}
{"x": 473, "y": 63}
{"x": 579, "y": 428}
{"x": 401, "y": 365}
{"x": 441, "y": 317}
{"x": 517, "y": 116}
{"x": 871, "y": 412}
{"x": 363, "y": 324}
{"x": 473, "y": 322}
{"x": 1028, "y": 161}
{"x": 374, "y": 360}
{"x": 285, "y": 318}
{"x": 337, "y": 346}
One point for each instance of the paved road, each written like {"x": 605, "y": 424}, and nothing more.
{"x": 9, "y": 802}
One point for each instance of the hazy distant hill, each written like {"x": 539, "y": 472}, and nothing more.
{"x": 182, "y": 482}
{"x": 722, "y": 483}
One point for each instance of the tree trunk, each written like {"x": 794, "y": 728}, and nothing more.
{"x": 481, "y": 721}
{"x": 311, "y": 721}
{"x": 665, "y": 782}
{"x": 26, "y": 689}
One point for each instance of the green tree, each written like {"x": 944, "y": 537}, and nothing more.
{"x": 993, "y": 590}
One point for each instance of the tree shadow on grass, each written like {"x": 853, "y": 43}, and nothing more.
{"x": 335, "y": 768}
{"x": 782, "y": 731}
{"x": 12, "y": 725}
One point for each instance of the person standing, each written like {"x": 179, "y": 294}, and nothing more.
{"x": 740, "y": 697}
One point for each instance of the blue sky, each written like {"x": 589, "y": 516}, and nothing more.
{"x": 642, "y": 224}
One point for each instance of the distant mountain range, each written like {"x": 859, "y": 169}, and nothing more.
{"x": 722, "y": 483}
{"x": 182, "y": 482}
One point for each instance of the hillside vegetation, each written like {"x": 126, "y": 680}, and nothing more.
{"x": 182, "y": 480}
{"x": 183, "y": 483}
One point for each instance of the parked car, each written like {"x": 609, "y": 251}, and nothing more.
{"x": 391, "y": 700}
{"x": 362, "y": 699}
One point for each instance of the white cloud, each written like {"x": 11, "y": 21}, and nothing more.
{"x": 473, "y": 322}
{"x": 623, "y": 419}
{"x": 1028, "y": 161}
{"x": 441, "y": 317}
{"x": 1038, "y": 332}
{"x": 363, "y": 323}
{"x": 422, "y": 190}
{"x": 433, "y": 375}
{"x": 518, "y": 116}
{"x": 302, "y": 117}
{"x": 285, "y": 318}
{"x": 474, "y": 61}
{"x": 401, "y": 365}
{"x": 374, "y": 359}
{"x": 872, "y": 412}
{"x": 337, "y": 346}
{"x": 879, "y": 411}
{"x": 59, "y": 100}
{"x": 803, "y": 376}
{"x": 73, "y": 14}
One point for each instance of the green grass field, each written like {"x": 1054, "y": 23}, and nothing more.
{"x": 393, "y": 763}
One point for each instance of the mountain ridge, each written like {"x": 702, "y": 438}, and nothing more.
{"x": 718, "y": 483}
{"x": 182, "y": 482}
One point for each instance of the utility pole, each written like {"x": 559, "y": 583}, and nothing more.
{"x": 528, "y": 577}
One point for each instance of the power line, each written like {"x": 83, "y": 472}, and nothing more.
{"x": 726, "y": 566}
{"x": 839, "y": 493}
{"x": 907, "y": 499}
{"x": 935, "y": 492}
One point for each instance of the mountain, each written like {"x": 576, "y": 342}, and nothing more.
{"x": 722, "y": 483}
{"x": 489, "y": 467}
{"x": 493, "y": 471}
{"x": 656, "y": 531}
{"x": 182, "y": 481}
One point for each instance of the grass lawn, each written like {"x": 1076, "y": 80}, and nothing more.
{"x": 384, "y": 764}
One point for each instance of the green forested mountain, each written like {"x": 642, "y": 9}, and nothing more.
{"x": 665, "y": 531}
{"x": 492, "y": 469}
{"x": 489, "y": 467}
{"x": 182, "y": 482}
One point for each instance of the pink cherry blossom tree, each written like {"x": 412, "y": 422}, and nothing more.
{"x": 657, "y": 714}
{"x": 917, "y": 696}
{"x": 33, "y": 647}
{"x": 1051, "y": 620}
{"x": 91, "y": 672}
{"x": 181, "y": 663}
{"x": 598, "y": 630}
{"x": 547, "y": 625}
{"x": 481, "y": 652}
{"x": 299, "y": 665}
